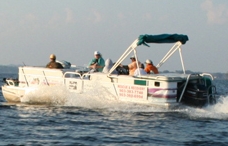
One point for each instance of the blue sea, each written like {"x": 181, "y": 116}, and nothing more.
{"x": 62, "y": 118}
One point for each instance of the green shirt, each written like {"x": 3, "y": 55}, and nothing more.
{"x": 100, "y": 62}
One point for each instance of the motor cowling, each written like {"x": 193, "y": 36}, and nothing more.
{"x": 65, "y": 64}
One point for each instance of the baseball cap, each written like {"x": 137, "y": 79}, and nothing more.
{"x": 97, "y": 53}
{"x": 148, "y": 61}
{"x": 132, "y": 57}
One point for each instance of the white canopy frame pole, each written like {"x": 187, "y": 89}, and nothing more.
{"x": 170, "y": 53}
{"x": 137, "y": 61}
{"x": 182, "y": 62}
{"x": 131, "y": 48}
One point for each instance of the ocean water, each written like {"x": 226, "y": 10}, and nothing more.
{"x": 63, "y": 118}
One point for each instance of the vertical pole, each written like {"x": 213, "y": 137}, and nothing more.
{"x": 182, "y": 62}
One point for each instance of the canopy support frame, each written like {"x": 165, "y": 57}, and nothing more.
{"x": 175, "y": 47}
{"x": 131, "y": 48}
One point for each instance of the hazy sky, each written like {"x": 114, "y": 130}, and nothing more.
{"x": 30, "y": 30}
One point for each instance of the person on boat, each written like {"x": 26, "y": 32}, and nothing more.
{"x": 150, "y": 67}
{"x": 108, "y": 66}
{"x": 53, "y": 63}
{"x": 97, "y": 64}
{"x": 140, "y": 71}
{"x": 133, "y": 66}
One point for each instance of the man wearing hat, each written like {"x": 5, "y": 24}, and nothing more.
{"x": 98, "y": 63}
{"x": 150, "y": 67}
{"x": 53, "y": 63}
{"x": 133, "y": 66}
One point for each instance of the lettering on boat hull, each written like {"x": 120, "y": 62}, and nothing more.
{"x": 132, "y": 91}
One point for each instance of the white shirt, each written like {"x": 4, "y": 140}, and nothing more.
{"x": 108, "y": 66}
{"x": 142, "y": 72}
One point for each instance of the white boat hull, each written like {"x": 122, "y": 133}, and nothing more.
{"x": 159, "y": 89}
{"x": 13, "y": 94}
{"x": 123, "y": 88}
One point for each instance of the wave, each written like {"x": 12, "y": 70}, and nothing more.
{"x": 100, "y": 98}
{"x": 55, "y": 95}
{"x": 216, "y": 111}
{"x": 96, "y": 98}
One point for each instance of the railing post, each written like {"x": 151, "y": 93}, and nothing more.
{"x": 184, "y": 87}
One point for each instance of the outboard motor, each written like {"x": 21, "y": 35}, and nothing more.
{"x": 65, "y": 64}
{"x": 195, "y": 94}
{"x": 199, "y": 92}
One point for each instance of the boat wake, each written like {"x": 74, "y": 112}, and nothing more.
{"x": 217, "y": 111}
{"x": 96, "y": 98}
{"x": 99, "y": 98}
{"x": 55, "y": 95}
{"x": 61, "y": 96}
